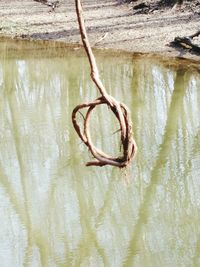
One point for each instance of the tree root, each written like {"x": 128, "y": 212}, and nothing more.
{"x": 120, "y": 110}
{"x": 186, "y": 43}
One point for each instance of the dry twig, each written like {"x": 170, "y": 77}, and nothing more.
{"x": 120, "y": 110}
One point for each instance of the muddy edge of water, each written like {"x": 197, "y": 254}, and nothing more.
{"x": 20, "y": 48}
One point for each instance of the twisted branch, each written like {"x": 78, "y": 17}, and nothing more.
{"x": 120, "y": 110}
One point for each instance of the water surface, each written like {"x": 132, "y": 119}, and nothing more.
{"x": 55, "y": 211}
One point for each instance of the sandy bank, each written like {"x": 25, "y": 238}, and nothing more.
{"x": 109, "y": 23}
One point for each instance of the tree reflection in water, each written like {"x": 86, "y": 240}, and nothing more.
{"x": 56, "y": 212}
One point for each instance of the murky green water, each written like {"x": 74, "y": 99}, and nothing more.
{"x": 54, "y": 211}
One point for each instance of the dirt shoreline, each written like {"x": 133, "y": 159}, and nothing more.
{"x": 110, "y": 25}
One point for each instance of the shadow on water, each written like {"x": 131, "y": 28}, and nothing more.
{"x": 55, "y": 211}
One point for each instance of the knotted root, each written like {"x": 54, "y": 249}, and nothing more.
{"x": 120, "y": 110}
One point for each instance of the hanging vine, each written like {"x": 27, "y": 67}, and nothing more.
{"x": 120, "y": 110}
